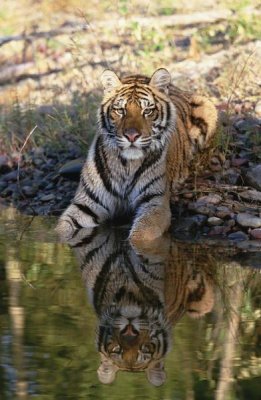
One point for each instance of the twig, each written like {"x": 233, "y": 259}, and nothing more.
{"x": 19, "y": 163}
{"x": 43, "y": 34}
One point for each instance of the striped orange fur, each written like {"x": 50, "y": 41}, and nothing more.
{"x": 148, "y": 133}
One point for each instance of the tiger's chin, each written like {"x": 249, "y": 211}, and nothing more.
{"x": 132, "y": 153}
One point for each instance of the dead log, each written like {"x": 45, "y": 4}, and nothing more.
{"x": 184, "y": 20}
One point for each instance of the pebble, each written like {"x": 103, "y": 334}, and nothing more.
{"x": 47, "y": 197}
{"x": 223, "y": 212}
{"x": 3, "y": 185}
{"x": 11, "y": 176}
{"x": 219, "y": 230}
{"x": 72, "y": 169}
{"x": 214, "y": 221}
{"x": 253, "y": 177}
{"x": 208, "y": 210}
{"x": 256, "y": 234}
{"x": 248, "y": 220}
{"x": 29, "y": 191}
{"x": 251, "y": 195}
{"x": 238, "y": 236}
{"x": 231, "y": 223}
{"x": 4, "y": 164}
{"x": 210, "y": 199}
{"x": 247, "y": 125}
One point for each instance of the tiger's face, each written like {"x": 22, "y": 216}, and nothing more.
{"x": 136, "y": 114}
{"x": 133, "y": 339}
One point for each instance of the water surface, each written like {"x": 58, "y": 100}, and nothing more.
{"x": 54, "y": 298}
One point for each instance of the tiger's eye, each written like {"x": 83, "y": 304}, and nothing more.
{"x": 148, "y": 111}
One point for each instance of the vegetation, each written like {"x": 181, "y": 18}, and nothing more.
{"x": 51, "y": 80}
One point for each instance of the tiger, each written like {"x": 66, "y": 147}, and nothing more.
{"x": 148, "y": 134}
{"x": 139, "y": 294}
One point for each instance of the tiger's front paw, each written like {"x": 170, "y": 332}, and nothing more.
{"x": 144, "y": 234}
{"x": 64, "y": 229}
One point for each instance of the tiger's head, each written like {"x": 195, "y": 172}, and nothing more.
{"x": 136, "y": 115}
{"x": 132, "y": 339}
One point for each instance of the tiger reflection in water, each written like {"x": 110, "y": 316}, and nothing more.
{"x": 138, "y": 296}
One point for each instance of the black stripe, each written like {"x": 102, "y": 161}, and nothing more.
{"x": 147, "y": 163}
{"x": 195, "y": 105}
{"x": 91, "y": 254}
{"x": 86, "y": 210}
{"x": 76, "y": 223}
{"x": 147, "y": 199}
{"x": 100, "y": 286}
{"x": 168, "y": 112}
{"x": 102, "y": 168}
{"x": 201, "y": 124}
{"x": 86, "y": 240}
{"x": 146, "y": 271}
{"x": 104, "y": 121}
{"x": 153, "y": 180}
{"x": 147, "y": 293}
{"x": 92, "y": 195}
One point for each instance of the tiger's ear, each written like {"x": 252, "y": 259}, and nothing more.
{"x": 161, "y": 80}
{"x": 110, "y": 81}
{"x": 107, "y": 370}
{"x": 156, "y": 375}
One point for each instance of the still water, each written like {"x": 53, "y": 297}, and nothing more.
{"x": 169, "y": 321}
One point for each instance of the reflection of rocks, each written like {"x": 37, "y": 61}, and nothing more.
{"x": 138, "y": 297}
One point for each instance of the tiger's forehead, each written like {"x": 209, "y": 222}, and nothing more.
{"x": 141, "y": 95}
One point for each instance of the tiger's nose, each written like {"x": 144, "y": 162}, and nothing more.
{"x": 132, "y": 135}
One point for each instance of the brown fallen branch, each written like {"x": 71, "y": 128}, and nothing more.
{"x": 64, "y": 30}
{"x": 207, "y": 17}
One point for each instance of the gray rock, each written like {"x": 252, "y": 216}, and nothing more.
{"x": 238, "y": 236}
{"x": 3, "y": 185}
{"x": 210, "y": 199}
{"x": 4, "y": 164}
{"x": 214, "y": 221}
{"x": 29, "y": 191}
{"x": 222, "y": 212}
{"x": 253, "y": 177}
{"x": 248, "y": 220}
{"x": 208, "y": 210}
{"x": 256, "y": 234}
{"x": 72, "y": 169}
{"x": 10, "y": 176}
{"x": 251, "y": 195}
{"x": 47, "y": 197}
{"x": 247, "y": 125}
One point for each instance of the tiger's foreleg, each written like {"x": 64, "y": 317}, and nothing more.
{"x": 153, "y": 218}
{"x": 88, "y": 209}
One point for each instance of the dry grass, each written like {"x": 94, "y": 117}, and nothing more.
{"x": 59, "y": 89}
